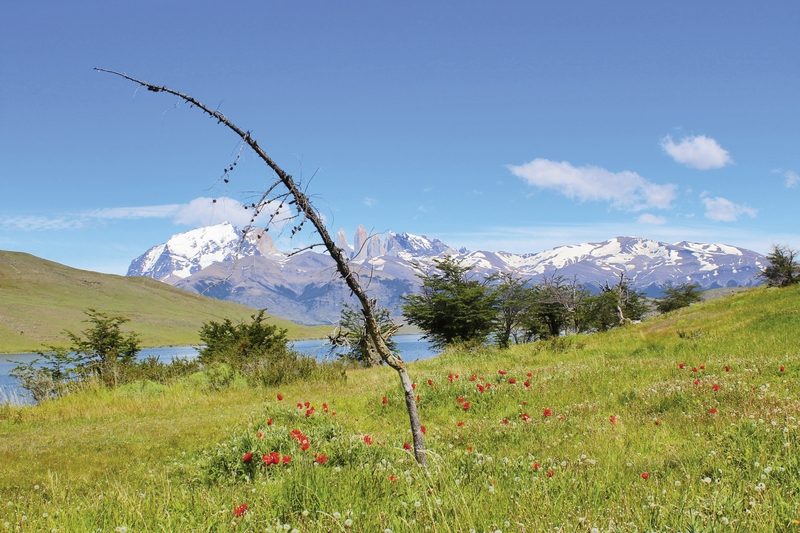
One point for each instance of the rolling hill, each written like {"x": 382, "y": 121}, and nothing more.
{"x": 39, "y": 299}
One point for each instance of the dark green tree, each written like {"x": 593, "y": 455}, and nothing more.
{"x": 451, "y": 307}
{"x": 677, "y": 296}
{"x": 783, "y": 269}
{"x": 103, "y": 350}
{"x": 242, "y": 343}
{"x": 352, "y": 335}
{"x": 514, "y": 300}
{"x": 615, "y": 305}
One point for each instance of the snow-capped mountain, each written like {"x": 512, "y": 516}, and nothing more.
{"x": 305, "y": 287}
{"x": 186, "y": 253}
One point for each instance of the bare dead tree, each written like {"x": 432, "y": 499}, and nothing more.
{"x": 620, "y": 290}
{"x": 294, "y": 197}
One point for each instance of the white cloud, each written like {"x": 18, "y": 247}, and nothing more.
{"x": 198, "y": 212}
{"x": 699, "y": 152}
{"x": 369, "y": 201}
{"x": 625, "y": 190}
{"x": 723, "y": 210}
{"x": 792, "y": 178}
{"x": 648, "y": 218}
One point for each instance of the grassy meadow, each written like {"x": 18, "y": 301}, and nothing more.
{"x": 40, "y": 299}
{"x": 686, "y": 422}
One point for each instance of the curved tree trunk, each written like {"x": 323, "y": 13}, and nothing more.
{"x": 305, "y": 207}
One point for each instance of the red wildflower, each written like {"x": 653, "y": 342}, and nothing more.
{"x": 306, "y": 404}
{"x": 461, "y": 399}
{"x": 239, "y": 510}
{"x": 645, "y": 475}
{"x": 702, "y": 367}
{"x": 325, "y": 407}
{"x": 305, "y": 445}
{"x": 452, "y": 377}
{"x": 418, "y": 398}
{"x": 727, "y": 368}
{"x": 246, "y": 458}
{"x": 299, "y": 405}
{"x": 527, "y": 384}
{"x": 473, "y": 377}
{"x": 551, "y": 473}
{"x": 529, "y": 374}
{"x": 286, "y": 459}
{"x": 547, "y": 412}
{"x": 269, "y": 421}
{"x": 384, "y": 401}
{"x": 504, "y": 421}
{"x": 696, "y": 382}
{"x": 423, "y": 429}
{"x": 460, "y": 424}
{"x": 488, "y": 386}
{"x": 562, "y": 418}
{"x": 782, "y": 369}
{"x": 430, "y": 383}
{"x": 470, "y": 449}
{"x": 413, "y": 386}
{"x": 321, "y": 459}
{"x": 715, "y": 387}
{"x": 367, "y": 440}
{"x": 694, "y": 369}
{"x": 713, "y": 411}
{"x": 512, "y": 381}
{"x": 309, "y": 412}
{"x": 535, "y": 467}
{"x": 392, "y": 478}
{"x": 525, "y": 417}
{"x": 280, "y": 397}
{"x": 260, "y": 435}
{"x": 466, "y": 406}
{"x": 681, "y": 365}
{"x": 502, "y": 372}
{"x": 612, "y": 419}
{"x": 267, "y": 459}
{"x": 406, "y": 445}
{"x": 481, "y": 388}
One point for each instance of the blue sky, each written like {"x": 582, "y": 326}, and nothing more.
{"x": 493, "y": 125}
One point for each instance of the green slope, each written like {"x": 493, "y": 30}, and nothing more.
{"x": 636, "y": 441}
{"x": 39, "y": 299}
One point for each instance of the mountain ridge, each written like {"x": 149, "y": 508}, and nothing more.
{"x": 305, "y": 288}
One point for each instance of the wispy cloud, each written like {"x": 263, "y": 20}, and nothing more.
{"x": 648, "y": 218}
{"x": 699, "y": 151}
{"x": 791, "y": 179}
{"x": 723, "y": 210}
{"x": 369, "y": 201}
{"x": 198, "y": 212}
{"x": 625, "y": 190}
{"x": 40, "y": 223}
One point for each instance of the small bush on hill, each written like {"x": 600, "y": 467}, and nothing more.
{"x": 678, "y": 296}
{"x": 783, "y": 269}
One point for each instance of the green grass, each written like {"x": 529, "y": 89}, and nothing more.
{"x": 155, "y": 458}
{"x": 40, "y": 299}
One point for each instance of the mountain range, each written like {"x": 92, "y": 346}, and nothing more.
{"x": 305, "y": 287}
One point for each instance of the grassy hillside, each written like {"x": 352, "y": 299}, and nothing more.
{"x": 687, "y": 422}
{"x": 39, "y": 299}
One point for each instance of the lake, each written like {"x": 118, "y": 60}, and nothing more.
{"x": 411, "y": 348}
